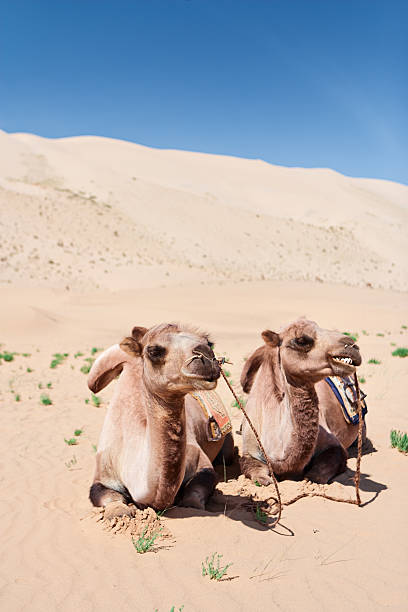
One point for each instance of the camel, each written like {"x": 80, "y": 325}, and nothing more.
{"x": 154, "y": 443}
{"x": 282, "y": 379}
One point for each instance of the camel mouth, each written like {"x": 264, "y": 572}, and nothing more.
{"x": 343, "y": 363}
{"x": 205, "y": 379}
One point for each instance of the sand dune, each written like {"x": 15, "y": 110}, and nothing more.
{"x": 100, "y": 235}
{"x": 92, "y": 212}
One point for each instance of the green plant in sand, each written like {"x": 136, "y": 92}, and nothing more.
{"x": 144, "y": 543}
{"x": 375, "y": 361}
{"x": 235, "y": 404}
{"x": 96, "y": 400}
{"x": 58, "y": 359}
{"x": 94, "y": 350}
{"x": 87, "y": 366}
{"x": 212, "y": 568}
{"x": 260, "y": 515}
{"x": 45, "y": 400}
{"x": 71, "y": 441}
{"x": 353, "y": 336}
{"x": 400, "y": 352}
{"x": 399, "y": 440}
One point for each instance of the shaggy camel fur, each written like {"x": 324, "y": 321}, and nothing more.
{"x": 154, "y": 438}
{"x": 280, "y": 378}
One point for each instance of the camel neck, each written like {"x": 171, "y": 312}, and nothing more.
{"x": 291, "y": 414}
{"x": 166, "y": 426}
{"x": 304, "y": 410}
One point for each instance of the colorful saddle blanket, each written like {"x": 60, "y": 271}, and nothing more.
{"x": 219, "y": 422}
{"x": 345, "y": 391}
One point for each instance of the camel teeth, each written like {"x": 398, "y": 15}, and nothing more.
{"x": 347, "y": 360}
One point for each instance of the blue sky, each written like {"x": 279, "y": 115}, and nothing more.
{"x": 315, "y": 83}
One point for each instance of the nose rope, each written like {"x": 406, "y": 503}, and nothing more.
{"x": 357, "y": 501}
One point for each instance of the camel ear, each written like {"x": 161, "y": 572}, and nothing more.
{"x": 132, "y": 344}
{"x": 252, "y": 365}
{"x": 138, "y": 333}
{"x": 271, "y": 338}
{"x": 108, "y": 365}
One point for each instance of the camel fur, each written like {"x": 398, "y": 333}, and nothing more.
{"x": 283, "y": 381}
{"x": 153, "y": 449}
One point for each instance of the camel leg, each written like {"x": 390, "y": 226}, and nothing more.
{"x": 198, "y": 489}
{"x": 328, "y": 464}
{"x": 255, "y": 470}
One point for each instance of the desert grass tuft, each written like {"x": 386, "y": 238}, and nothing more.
{"x": 375, "y": 361}
{"x": 212, "y": 568}
{"x": 400, "y": 352}
{"x": 86, "y": 368}
{"x": 145, "y": 543}
{"x": 260, "y": 515}
{"x": 235, "y": 404}
{"x": 96, "y": 400}
{"x": 353, "y": 336}
{"x": 58, "y": 359}
{"x": 95, "y": 349}
{"x": 399, "y": 440}
{"x": 45, "y": 400}
{"x": 71, "y": 441}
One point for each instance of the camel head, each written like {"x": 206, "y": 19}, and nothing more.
{"x": 176, "y": 359}
{"x": 309, "y": 353}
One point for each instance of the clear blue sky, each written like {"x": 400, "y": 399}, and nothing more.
{"x": 321, "y": 83}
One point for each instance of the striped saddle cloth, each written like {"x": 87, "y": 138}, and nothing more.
{"x": 219, "y": 422}
{"x": 345, "y": 391}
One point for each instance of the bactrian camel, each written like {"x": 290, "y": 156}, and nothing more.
{"x": 282, "y": 379}
{"x": 154, "y": 445}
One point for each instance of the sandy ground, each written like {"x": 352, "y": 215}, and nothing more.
{"x": 323, "y": 556}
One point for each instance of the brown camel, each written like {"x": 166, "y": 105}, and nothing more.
{"x": 154, "y": 443}
{"x": 280, "y": 378}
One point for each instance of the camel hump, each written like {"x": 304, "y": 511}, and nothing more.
{"x": 108, "y": 365}
{"x": 251, "y": 367}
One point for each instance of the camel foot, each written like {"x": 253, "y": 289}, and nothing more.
{"x": 117, "y": 508}
{"x": 255, "y": 470}
{"x": 193, "y": 499}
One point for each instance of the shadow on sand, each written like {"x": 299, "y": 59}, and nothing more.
{"x": 240, "y": 507}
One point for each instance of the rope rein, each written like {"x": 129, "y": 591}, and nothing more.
{"x": 356, "y": 501}
{"x": 268, "y": 461}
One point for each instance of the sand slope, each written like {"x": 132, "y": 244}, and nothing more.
{"x": 92, "y": 212}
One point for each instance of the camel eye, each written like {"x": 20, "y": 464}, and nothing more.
{"x": 304, "y": 342}
{"x": 156, "y": 353}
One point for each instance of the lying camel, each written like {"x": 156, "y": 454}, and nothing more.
{"x": 154, "y": 439}
{"x": 283, "y": 405}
